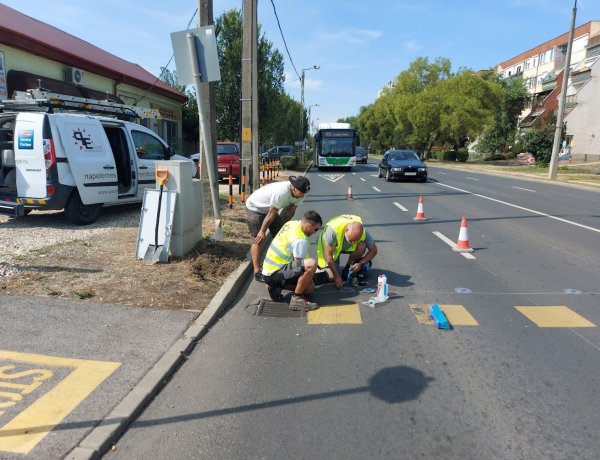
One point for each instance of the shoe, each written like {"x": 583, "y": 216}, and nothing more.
{"x": 275, "y": 293}
{"x": 258, "y": 276}
{"x": 300, "y": 302}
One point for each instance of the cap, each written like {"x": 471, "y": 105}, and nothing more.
{"x": 301, "y": 183}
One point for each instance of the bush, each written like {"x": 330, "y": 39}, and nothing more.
{"x": 449, "y": 155}
{"x": 288, "y": 161}
{"x": 495, "y": 157}
{"x": 462, "y": 154}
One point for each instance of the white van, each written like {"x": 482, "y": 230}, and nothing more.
{"x": 75, "y": 162}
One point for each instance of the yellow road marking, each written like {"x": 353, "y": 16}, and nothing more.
{"x": 335, "y": 314}
{"x": 28, "y": 428}
{"x": 554, "y": 316}
{"x": 457, "y": 314}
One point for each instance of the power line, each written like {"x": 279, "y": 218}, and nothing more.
{"x": 284, "y": 42}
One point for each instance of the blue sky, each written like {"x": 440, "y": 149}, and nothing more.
{"x": 359, "y": 44}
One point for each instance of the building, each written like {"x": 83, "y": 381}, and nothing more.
{"x": 542, "y": 70}
{"x": 36, "y": 55}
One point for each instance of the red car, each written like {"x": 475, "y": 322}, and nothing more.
{"x": 228, "y": 153}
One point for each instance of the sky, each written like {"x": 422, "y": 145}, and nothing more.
{"x": 359, "y": 45}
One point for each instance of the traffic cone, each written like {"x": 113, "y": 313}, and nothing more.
{"x": 349, "y": 193}
{"x": 420, "y": 213}
{"x": 463, "y": 238}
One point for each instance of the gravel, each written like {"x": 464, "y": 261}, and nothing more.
{"x": 42, "y": 229}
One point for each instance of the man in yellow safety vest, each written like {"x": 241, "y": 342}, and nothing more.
{"x": 345, "y": 234}
{"x": 287, "y": 265}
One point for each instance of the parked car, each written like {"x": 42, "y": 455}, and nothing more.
{"x": 275, "y": 153}
{"x": 361, "y": 155}
{"x": 402, "y": 164}
{"x": 228, "y": 153}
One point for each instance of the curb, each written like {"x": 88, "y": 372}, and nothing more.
{"x": 106, "y": 434}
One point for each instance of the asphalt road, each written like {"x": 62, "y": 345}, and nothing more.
{"x": 515, "y": 378}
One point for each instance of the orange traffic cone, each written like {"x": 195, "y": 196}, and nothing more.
{"x": 463, "y": 238}
{"x": 349, "y": 193}
{"x": 420, "y": 213}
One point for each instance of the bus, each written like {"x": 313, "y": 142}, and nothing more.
{"x": 335, "y": 146}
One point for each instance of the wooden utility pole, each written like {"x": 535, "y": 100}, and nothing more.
{"x": 205, "y": 18}
{"x": 249, "y": 97}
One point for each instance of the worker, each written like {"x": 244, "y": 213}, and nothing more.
{"x": 345, "y": 234}
{"x": 262, "y": 209}
{"x": 287, "y": 265}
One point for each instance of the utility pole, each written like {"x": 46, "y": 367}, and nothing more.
{"x": 205, "y": 18}
{"x": 315, "y": 67}
{"x": 248, "y": 93}
{"x": 553, "y": 169}
{"x": 255, "y": 152}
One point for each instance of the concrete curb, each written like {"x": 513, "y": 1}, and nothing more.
{"x": 100, "y": 440}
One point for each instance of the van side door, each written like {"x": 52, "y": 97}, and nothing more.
{"x": 90, "y": 158}
{"x": 29, "y": 155}
{"x": 149, "y": 148}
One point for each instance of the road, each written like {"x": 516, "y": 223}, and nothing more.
{"x": 515, "y": 378}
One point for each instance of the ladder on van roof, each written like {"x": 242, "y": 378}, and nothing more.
{"x": 36, "y": 99}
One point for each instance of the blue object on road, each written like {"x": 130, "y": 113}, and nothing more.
{"x": 437, "y": 315}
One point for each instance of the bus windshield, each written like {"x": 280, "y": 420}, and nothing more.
{"x": 337, "y": 147}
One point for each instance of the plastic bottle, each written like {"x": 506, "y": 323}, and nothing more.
{"x": 382, "y": 288}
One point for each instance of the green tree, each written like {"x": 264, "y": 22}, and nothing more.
{"x": 539, "y": 143}
{"x": 189, "y": 122}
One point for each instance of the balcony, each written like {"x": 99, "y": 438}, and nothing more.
{"x": 571, "y": 101}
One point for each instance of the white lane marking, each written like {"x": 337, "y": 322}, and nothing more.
{"x": 374, "y": 175}
{"x": 400, "y": 206}
{"x": 549, "y": 216}
{"x": 439, "y": 172}
{"x": 449, "y": 242}
{"x": 376, "y": 189}
{"x": 526, "y": 189}
{"x": 331, "y": 177}
{"x": 363, "y": 179}
{"x": 472, "y": 178}
{"x": 354, "y": 174}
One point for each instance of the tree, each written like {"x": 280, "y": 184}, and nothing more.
{"x": 189, "y": 122}
{"x": 539, "y": 143}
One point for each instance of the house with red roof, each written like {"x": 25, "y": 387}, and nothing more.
{"x": 34, "y": 54}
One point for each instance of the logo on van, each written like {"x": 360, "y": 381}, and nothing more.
{"x": 25, "y": 139}
{"x": 82, "y": 140}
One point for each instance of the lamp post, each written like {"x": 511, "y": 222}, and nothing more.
{"x": 315, "y": 67}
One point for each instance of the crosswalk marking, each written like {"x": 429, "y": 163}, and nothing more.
{"x": 335, "y": 314}
{"x": 554, "y": 316}
{"x": 457, "y": 314}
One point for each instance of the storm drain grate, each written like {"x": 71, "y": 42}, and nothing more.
{"x": 277, "y": 310}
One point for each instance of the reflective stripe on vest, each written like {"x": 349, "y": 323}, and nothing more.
{"x": 338, "y": 224}
{"x": 278, "y": 255}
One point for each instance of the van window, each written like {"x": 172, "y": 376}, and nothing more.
{"x": 148, "y": 147}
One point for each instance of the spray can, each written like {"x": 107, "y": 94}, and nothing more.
{"x": 382, "y": 288}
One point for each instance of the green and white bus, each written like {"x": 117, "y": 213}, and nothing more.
{"x": 335, "y": 146}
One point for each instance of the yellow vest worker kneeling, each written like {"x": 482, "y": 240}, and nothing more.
{"x": 345, "y": 234}
{"x": 287, "y": 266}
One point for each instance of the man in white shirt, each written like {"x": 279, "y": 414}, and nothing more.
{"x": 262, "y": 208}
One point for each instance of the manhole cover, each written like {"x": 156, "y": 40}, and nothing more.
{"x": 277, "y": 310}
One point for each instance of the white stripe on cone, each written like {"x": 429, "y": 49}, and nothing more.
{"x": 349, "y": 194}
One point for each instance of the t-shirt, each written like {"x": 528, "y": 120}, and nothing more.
{"x": 299, "y": 248}
{"x": 275, "y": 195}
{"x": 330, "y": 238}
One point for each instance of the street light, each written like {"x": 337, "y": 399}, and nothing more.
{"x": 315, "y": 67}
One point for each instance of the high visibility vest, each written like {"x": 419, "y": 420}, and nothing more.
{"x": 279, "y": 255}
{"x": 338, "y": 224}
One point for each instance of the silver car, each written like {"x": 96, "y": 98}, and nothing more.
{"x": 361, "y": 155}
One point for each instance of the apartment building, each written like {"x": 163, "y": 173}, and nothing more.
{"x": 542, "y": 69}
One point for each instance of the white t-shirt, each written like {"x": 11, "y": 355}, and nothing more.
{"x": 299, "y": 248}
{"x": 277, "y": 195}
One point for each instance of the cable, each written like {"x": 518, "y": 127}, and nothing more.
{"x": 167, "y": 65}
{"x": 284, "y": 42}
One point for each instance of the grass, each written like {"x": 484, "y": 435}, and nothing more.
{"x": 85, "y": 294}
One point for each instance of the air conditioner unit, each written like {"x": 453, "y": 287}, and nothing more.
{"x": 74, "y": 75}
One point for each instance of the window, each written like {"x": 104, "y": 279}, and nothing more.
{"x": 171, "y": 132}
{"x": 542, "y": 58}
{"x": 148, "y": 147}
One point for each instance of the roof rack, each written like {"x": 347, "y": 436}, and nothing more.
{"x": 35, "y": 99}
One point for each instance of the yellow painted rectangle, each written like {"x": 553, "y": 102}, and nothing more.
{"x": 554, "y": 316}
{"x": 335, "y": 314}
{"x": 457, "y": 314}
{"x": 23, "y": 432}
{"x": 247, "y": 134}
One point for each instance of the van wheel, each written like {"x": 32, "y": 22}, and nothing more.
{"x": 79, "y": 213}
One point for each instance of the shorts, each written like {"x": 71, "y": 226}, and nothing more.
{"x": 256, "y": 219}
{"x": 287, "y": 276}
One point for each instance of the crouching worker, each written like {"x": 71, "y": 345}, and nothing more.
{"x": 345, "y": 234}
{"x": 287, "y": 266}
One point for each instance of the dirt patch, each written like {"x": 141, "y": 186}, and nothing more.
{"x": 102, "y": 268}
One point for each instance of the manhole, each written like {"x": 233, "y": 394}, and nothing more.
{"x": 277, "y": 310}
